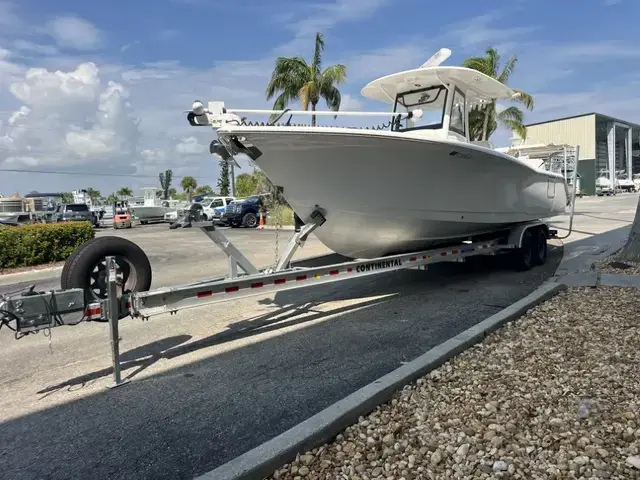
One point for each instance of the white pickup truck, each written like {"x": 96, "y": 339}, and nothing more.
{"x": 214, "y": 207}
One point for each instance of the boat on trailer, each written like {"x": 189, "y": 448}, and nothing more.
{"x": 444, "y": 186}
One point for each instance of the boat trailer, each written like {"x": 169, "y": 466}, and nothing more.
{"x": 108, "y": 278}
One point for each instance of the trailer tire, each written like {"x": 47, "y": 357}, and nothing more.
{"x": 524, "y": 255}
{"x": 539, "y": 247}
{"x": 86, "y": 268}
{"x": 70, "y": 259}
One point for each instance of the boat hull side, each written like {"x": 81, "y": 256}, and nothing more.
{"x": 384, "y": 194}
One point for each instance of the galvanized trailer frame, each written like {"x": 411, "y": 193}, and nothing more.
{"x": 34, "y": 311}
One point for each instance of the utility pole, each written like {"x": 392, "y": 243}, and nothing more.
{"x": 232, "y": 174}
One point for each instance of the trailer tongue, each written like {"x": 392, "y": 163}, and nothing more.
{"x": 108, "y": 278}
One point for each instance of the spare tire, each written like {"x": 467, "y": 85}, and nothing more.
{"x": 69, "y": 261}
{"x": 86, "y": 267}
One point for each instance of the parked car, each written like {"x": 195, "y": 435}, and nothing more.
{"x": 74, "y": 212}
{"x": 244, "y": 212}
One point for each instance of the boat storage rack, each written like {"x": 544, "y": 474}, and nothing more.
{"x": 31, "y": 311}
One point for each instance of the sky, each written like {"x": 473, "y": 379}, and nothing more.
{"x": 93, "y": 94}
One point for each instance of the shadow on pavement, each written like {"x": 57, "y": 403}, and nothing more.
{"x": 186, "y": 420}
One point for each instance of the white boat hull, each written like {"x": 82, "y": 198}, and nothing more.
{"x": 145, "y": 213}
{"x": 383, "y": 193}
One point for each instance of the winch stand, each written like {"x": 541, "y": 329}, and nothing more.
{"x": 235, "y": 258}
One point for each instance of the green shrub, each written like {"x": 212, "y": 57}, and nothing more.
{"x": 41, "y": 243}
{"x": 280, "y": 215}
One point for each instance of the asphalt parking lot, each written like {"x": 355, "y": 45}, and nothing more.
{"x": 212, "y": 382}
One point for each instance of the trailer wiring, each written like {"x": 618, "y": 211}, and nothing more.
{"x": 6, "y": 317}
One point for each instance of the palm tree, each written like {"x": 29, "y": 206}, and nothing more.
{"x": 124, "y": 192}
{"x": 293, "y": 78}
{"x": 483, "y": 121}
{"x": 189, "y": 184}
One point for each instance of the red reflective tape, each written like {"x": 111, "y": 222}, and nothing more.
{"x": 206, "y": 293}
{"x": 301, "y": 278}
{"x": 334, "y": 272}
{"x": 280, "y": 281}
{"x": 453, "y": 252}
{"x": 257, "y": 285}
{"x": 443, "y": 254}
{"x": 231, "y": 289}
{"x": 412, "y": 259}
{"x": 349, "y": 270}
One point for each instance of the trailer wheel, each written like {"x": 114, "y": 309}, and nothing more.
{"x": 86, "y": 268}
{"x": 524, "y": 256}
{"x": 539, "y": 247}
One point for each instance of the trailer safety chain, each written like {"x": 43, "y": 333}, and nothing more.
{"x": 277, "y": 249}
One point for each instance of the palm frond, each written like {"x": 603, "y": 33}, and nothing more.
{"x": 287, "y": 74}
{"x": 317, "y": 54}
{"x": 281, "y": 103}
{"x": 508, "y": 69}
{"x": 493, "y": 57}
{"x": 513, "y": 119}
{"x": 481, "y": 64}
{"x": 523, "y": 98}
{"x": 516, "y": 127}
{"x": 511, "y": 114}
{"x": 333, "y": 97}
{"x": 333, "y": 75}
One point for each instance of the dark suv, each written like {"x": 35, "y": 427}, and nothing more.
{"x": 244, "y": 212}
{"x": 74, "y": 212}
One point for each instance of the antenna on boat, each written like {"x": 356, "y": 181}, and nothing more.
{"x": 437, "y": 58}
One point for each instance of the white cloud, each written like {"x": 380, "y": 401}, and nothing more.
{"x": 74, "y": 32}
{"x": 69, "y": 118}
{"x": 482, "y": 31}
{"x": 31, "y": 47}
{"x": 327, "y": 14}
{"x": 592, "y": 51}
{"x": 364, "y": 67}
{"x": 351, "y": 103}
{"x": 191, "y": 146}
{"x": 9, "y": 71}
{"x": 321, "y": 16}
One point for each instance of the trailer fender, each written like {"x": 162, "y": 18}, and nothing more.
{"x": 516, "y": 235}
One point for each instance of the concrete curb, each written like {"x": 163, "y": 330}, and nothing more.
{"x": 273, "y": 227}
{"x": 35, "y": 274}
{"x": 322, "y": 427}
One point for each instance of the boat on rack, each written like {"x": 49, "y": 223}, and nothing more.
{"x": 438, "y": 185}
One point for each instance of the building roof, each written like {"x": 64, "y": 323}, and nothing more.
{"x": 585, "y": 115}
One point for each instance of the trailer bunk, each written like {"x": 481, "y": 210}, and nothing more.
{"x": 108, "y": 278}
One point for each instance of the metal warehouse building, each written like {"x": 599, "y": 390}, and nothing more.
{"x": 607, "y": 145}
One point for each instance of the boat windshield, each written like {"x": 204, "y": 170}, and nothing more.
{"x": 430, "y": 100}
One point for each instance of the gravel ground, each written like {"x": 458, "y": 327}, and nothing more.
{"x": 619, "y": 267}
{"x": 555, "y": 394}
